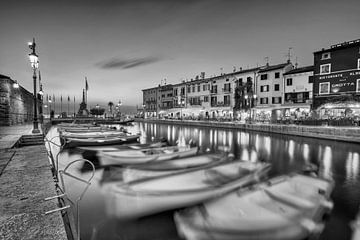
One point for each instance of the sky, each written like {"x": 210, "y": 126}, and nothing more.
{"x": 123, "y": 46}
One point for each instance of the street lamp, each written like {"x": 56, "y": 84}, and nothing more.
{"x": 34, "y": 60}
{"x": 15, "y": 84}
{"x": 182, "y": 105}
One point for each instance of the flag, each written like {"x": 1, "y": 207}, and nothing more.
{"x": 86, "y": 84}
{"x": 68, "y": 98}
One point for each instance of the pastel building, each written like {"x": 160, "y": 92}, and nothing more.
{"x": 270, "y": 92}
{"x": 298, "y": 89}
{"x": 150, "y": 102}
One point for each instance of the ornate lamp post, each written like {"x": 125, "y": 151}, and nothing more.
{"x": 34, "y": 60}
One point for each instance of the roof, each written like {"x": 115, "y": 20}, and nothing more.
{"x": 340, "y": 46}
{"x": 273, "y": 67}
{"x": 300, "y": 70}
{"x": 146, "y": 89}
{"x": 4, "y": 76}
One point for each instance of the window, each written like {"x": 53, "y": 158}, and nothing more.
{"x": 198, "y": 87}
{"x": 277, "y": 87}
{"x": 289, "y": 82}
{"x": 325, "y": 68}
{"x": 204, "y": 87}
{"x": 277, "y": 75}
{"x": 263, "y": 76}
{"x": 311, "y": 79}
{"x": 276, "y": 100}
{"x": 214, "y": 89}
{"x": 358, "y": 63}
{"x": 183, "y": 91}
{"x": 188, "y": 89}
{"x": 226, "y": 100}
{"x": 206, "y": 98}
{"x": 324, "y": 88}
{"x": 193, "y": 88}
{"x": 358, "y": 85}
{"x": 175, "y": 92}
{"x": 264, "y": 88}
{"x": 325, "y": 56}
{"x": 264, "y": 100}
{"x": 227, "y": 87}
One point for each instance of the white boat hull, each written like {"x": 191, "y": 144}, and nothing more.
{"x": 264, "y": 212}
{"x": 146, "y": 197}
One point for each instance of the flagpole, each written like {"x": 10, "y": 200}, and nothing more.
{"x": 74, "y": 107}
{"x": 68, "y": 111}
{"x": 60, "y": 104}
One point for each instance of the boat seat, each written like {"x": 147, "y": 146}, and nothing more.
{"x": 291, "y": 200}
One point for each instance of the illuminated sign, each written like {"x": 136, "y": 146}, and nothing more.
{"x": 341, "y": 82}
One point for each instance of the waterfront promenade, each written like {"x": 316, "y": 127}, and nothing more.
{"x": 26, "y": 180}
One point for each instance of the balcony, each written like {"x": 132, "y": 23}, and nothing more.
{"x": 213, "y": 91}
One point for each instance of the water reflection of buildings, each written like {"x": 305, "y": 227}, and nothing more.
{"x": 352, "y": 166}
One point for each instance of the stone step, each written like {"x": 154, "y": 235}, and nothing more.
{"x": 22, "y": 144}
{"x": 33, "y": 136}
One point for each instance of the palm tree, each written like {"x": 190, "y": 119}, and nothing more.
{"x": 111, "y": 104}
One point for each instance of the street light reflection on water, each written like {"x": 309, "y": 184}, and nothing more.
{"x": 336, "y": 160}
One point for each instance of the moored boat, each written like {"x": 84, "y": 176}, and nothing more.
{"x": 160, "y": 168}
{"x": 152, "y": 195}
{"x": 140, "y": 156}
{"x": 74, "y": 142}
{"x": 132, "y": 146}
{"x": 285, "y": 207}
{"x": 95, "y": 134}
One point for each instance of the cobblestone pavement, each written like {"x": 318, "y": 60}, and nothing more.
{"x": 25, "y": 181}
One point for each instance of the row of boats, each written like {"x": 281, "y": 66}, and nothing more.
{"x": 213, "y": 196}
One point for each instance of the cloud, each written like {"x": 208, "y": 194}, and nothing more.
{"x": 127, "y": 63}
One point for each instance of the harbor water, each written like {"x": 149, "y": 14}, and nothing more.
{"x": 338, "y": 161}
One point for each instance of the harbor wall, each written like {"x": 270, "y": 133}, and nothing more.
{"x": 16, "y": 104}
{"x": 348, "y": 134}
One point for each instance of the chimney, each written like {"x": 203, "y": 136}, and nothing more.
{"x": 202, "y": 75}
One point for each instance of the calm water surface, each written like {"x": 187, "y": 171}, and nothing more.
{"x": 336, "y": 160}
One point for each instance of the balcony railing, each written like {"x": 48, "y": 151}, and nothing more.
{"x": 213, "y": 91}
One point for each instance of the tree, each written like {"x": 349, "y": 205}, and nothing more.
{"x": 110, "y": 104}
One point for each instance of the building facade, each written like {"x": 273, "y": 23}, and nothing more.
{"x": 245, "y": 94}
{"x": 337, "y": 80}
{"x": 298, "y": 89}
{"x": 150, "y": 102}
{"x": 270, "y": 92}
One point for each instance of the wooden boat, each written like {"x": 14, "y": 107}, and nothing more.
{"x": 161, "y": 168}
{"x": 286, "y": 207}
{"x": 95, "y": 134}
{"x": 131, "y": 146}
{"x": 152, "y": 195}
{"x": 141, "y": 156}
{"x": 74, "y": 142}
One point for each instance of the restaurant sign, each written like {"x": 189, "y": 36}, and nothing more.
{"x": 341, "y": 82}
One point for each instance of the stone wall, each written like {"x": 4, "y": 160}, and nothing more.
{"x": 16, "y": 104}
